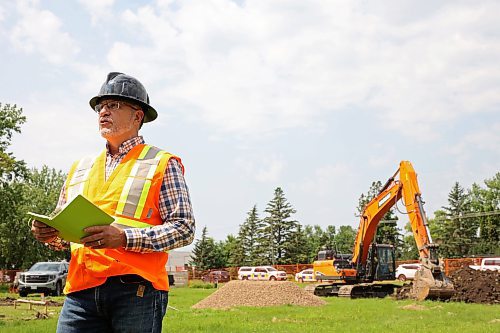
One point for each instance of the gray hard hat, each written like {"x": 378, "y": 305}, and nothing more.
{"x": 125, "y": 87}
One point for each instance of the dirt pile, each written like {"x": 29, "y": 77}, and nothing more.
{"x": 473, "y": 286}
{"x": 258, "y": 293}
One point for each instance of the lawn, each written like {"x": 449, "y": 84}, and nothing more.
{"x": 342, "y": 315}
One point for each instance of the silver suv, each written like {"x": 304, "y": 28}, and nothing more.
{"x": 44, "y": 277}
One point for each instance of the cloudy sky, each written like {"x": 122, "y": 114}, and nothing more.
{"x": 318, "y": 97}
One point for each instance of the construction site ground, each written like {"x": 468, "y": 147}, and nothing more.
{"x": 346, "y": 315}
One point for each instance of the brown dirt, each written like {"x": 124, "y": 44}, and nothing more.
{"x": 258, "y": 293}
{"x": 414, "y": 307}
{"x": 472, "y": 286}
{"x": 6, "y": 301}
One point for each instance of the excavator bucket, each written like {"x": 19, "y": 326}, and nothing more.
{"x": 431, "y": 286}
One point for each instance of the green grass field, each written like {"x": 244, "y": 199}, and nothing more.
{"x": 339, "y": 315}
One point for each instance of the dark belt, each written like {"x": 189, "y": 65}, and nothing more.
{"x": 127, "y": 278}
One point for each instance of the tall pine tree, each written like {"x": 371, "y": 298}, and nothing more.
{"x": 247, "y": 248}
{"x": 459, "y": 232}
{"x": 278, "y": 228}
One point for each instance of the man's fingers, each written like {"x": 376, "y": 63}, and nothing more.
{"x": 92, "y": 238}
{"x": 47, "y": 231}
{"x": 39, "y": 224}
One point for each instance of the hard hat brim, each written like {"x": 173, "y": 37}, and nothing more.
{"x": 150, "y": 113}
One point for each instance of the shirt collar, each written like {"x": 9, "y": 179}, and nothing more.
{"x": 126, "y": 146}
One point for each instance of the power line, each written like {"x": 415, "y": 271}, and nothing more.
{"x": 478, "y": 214}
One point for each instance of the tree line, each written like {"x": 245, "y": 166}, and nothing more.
{"x": 23, "y": 189}
{"x": 469, "y": 225}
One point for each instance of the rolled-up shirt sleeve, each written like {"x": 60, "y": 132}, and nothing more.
{"x": 178, "y": 226}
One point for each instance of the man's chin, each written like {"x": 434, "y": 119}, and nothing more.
{"x": 106, "y": 132}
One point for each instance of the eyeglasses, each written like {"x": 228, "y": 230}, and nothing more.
{"x": 112, "y": 105}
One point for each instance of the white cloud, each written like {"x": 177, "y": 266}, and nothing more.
{"x": 57, "y": 132}
{"x": 40, "y": 31}
{"x": 272, "y": 65}
{"x": 99, "y": 10}
{"x": 2, "y": 13}
{"x": 325, "y": 180}
{"x": 486, "y": 139}
{"x": 261, "y": 167}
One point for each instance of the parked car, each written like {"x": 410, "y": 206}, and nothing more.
{"x": 406, "y": 271}
{"x": 261, "y": 273}
{"x": 44, "y": 277}
{"x": 216, "y": 276}
{"x": 488, "y": 264}
{"x": 307, "y": 275}
{"x": 244, "y": 272}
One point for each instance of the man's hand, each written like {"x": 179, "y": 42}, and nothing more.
{"x": 104, "y": 237}
{"x": 43, "y": 232}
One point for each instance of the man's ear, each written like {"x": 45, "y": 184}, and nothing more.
{"x": 139, "y": 116}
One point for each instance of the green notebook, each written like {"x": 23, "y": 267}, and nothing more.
{"x": 75, "y": 216}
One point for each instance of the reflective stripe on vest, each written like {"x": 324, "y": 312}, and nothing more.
{"x": 137, "y": 186}
{"x": 80, "y": 176}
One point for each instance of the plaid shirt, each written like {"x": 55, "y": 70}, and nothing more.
{"x": 176, "y": 212}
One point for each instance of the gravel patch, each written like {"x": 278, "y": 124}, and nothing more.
{"x": 257, "y": 294}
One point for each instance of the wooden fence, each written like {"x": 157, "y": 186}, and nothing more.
{"x": 450, "y": 265}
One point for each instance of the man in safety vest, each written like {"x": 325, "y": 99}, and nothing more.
{"x": 117, "y": 281}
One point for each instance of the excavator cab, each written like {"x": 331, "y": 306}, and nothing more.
{"x": 380, "y": 264}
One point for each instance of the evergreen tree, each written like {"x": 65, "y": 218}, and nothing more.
{"x": 297, "y": 252}
{"x": 228, "y": 248}
{"x": 459, "y": 232}
{"x": 199, "y": 258}
{"x": 246, "y": 252}
{"x": 278, "y": 228}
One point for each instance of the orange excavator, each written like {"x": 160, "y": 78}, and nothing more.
{"x": 371, "y": 268}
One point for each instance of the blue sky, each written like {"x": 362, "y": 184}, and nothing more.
{"x": 318, "y": 97}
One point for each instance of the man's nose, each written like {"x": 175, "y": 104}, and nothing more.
{"x": 104, "y": 111}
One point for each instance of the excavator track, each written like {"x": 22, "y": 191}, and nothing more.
{"x": 362, "y": 290}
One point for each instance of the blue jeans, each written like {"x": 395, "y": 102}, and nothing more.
{"x": 123, "y": 304}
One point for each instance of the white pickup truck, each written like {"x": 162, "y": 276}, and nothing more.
{"x": 491, "y": 264}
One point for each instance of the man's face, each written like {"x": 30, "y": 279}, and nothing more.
{"x": 117, "y": 118}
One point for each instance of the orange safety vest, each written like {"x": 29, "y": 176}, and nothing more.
{"x": 131, "y": 196}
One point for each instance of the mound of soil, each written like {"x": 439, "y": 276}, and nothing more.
{"x": 473, "y": 286}
{"x": 258, "y": 293}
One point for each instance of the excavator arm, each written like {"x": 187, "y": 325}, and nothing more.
{"x": 370, "y": 262}
{"x": 430, "y": 280}
{"x": 406, "y": 188}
